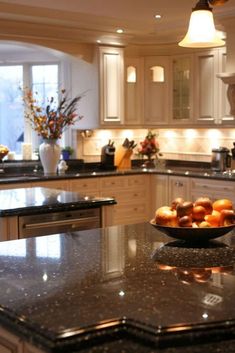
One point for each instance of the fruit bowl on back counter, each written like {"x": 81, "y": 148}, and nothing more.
{"x": 190, "y": 234}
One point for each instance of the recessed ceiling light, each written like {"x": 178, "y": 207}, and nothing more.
{"x": 119, "y": 30}
{"x": 158, "y": 17}
{"x": 98, "y": 41}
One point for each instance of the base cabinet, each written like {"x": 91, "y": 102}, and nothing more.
{"x": 178, "y": 187}
{"x": 159, "y": 192}
{"x": 89, "y": 187}
{"x": 214, "y": 189}
{"x": 28, "y": 348}
{"x": 138, "y": 196}
{"x": 164, "y": 189}
{"x": 132, "y": 196}
{"x": 10, "y": 343}
{"x": 53, "y": 184}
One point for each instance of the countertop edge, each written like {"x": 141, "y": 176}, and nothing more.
{"x": 123, "y": 327}
{"x": 174, "y": 172}
{"x": 57, "y": 207}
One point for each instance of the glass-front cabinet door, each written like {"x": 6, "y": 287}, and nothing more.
{"x": 182, "y": 86}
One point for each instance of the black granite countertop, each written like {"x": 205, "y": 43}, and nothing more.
{"x": 203, "y": 171}
{"x": 38, "y": 200}
{"x": 119, "y": 289}
{"x": 30, "y": 171}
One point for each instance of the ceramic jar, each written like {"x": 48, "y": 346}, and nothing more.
{"x": 49, "y": 152}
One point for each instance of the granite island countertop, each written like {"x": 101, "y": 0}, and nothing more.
{"x": 119, "y": 289}
{"x": 37, "y": 200}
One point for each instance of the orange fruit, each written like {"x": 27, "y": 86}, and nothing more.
{"x": 214, "y": 218}
{"x": 222, "y": 204}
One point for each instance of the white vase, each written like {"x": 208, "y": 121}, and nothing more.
{"x": 49, "y": 152}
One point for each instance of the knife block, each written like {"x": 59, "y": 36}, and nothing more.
{"x": 123, "y": 158}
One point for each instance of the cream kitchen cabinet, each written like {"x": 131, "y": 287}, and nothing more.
{"x": 156, "y": 90}
{"x": 159, "y": 192}
{"x": 198, "y": 96}
{"x": 53, "y": 184}
{"x": 214, "y": 189}
{"x": 147, "y": 91}
{"x": 176, "y": 90}
{"x": 88, "y": 186}
{"x": 10, "y": 343}
{"x": 179, "y": 187}
{"x": 132, "y": 196}
{"x": 211, "y": 105}
{"x": 14, "y": 186}
{"x": 28, "y": 348}
{"x": 132, "y": 193}
{"x": 134, "y": 91}
{"x": 182, "y": 88}
{"x": 111, "y": 85}
{"x": 165, "y": 188}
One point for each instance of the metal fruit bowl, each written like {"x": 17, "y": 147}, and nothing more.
{"x": 190, "y": 234}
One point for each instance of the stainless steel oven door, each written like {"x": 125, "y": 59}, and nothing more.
{"x": 59, "y": 222}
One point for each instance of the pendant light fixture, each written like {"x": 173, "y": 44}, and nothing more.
{"x": 201, "y": 32}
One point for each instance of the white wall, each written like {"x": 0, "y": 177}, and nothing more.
{"x": 84, "y": 79}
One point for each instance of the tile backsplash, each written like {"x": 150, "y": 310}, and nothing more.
{"x": 180, "y": 144}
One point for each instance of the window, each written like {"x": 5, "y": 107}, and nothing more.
{"x": 43, "y": 78}
{"x": 11, "y": 108}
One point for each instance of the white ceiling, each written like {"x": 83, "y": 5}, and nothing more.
{"x": 99, "y": 19}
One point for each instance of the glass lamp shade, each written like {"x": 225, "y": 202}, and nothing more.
{"x": 201, "y": 32}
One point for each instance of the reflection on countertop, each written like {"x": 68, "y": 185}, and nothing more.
{"x": 21, "y": 201}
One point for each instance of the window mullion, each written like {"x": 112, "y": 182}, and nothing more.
{"x": 27, "y": 83}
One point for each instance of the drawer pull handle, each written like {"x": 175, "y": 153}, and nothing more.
{"x": 179, "y": 184}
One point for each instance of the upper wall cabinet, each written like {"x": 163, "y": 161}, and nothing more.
{"x": 210, "y": 93}
{"x": 156, "y": 90}
{"x": 111, "y": 70}
{"x": 134, "y": 102}
{"x": 198, "y": 97}
{"x": 146, "y": 91}
{"x": 160, "y": 91}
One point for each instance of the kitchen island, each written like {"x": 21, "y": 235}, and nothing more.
{"x": 38, "y": 211}
{"x": 117, "y": 289}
